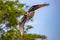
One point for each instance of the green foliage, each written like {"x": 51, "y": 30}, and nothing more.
{"x": 14, "y": 34}
{"x": 34, "y": 36}
{"x": 9, "y": 11}
{"x": 28, "y": 27}
{"x": 0, "y": 20}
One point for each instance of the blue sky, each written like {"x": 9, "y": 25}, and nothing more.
{"x": 46, "y": 20}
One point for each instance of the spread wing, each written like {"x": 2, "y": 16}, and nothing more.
{"x": 23, "y": 21}
{"x": 29, "y": 15}
{"x": 35, "y": 7}
{"x": 31, "y": 11}
{"x": 21, "y": 24}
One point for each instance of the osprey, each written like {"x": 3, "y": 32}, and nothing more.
{"x": 29, "y": 14}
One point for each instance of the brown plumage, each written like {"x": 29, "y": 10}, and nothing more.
{"x": 29, "y": 15}
{"x": 23, "y": 20}
{"x": 35, "y": 7}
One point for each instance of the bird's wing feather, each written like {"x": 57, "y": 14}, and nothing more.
{"x": 21, "y": 24}
{"x": 35, "y": 7}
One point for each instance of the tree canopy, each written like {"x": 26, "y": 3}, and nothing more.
{"x": 14, "y": 34}
{"x": 9, "y": 11}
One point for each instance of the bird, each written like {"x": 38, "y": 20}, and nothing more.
{"x": 29, "y": 14}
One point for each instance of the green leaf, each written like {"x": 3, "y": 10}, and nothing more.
{"x": 20, "y": 5}
{"x": 28, "y": 27}
{"x": 1, "y": 20}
